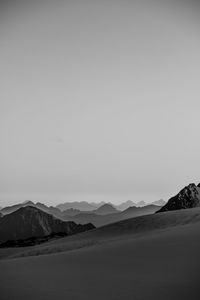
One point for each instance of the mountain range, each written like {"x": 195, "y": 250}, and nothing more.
{"x": 28, "y": 219}
{"x": 159, "y": 251}
{"x": 82, "y": 205}
{"x": 48, "y": 209}
{"x": 74, "y": 208}
{"x": 103, "y": 219}
{"x": 91, "y": 206}
{"x": 103, "y": 215}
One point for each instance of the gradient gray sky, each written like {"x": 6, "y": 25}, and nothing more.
{"x": 99, "y": 100}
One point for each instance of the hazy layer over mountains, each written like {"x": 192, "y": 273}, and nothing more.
{"x": 28, "y": 219}
{"x": 101, "y": 214}
{"x": 104, "y": 214}
{"x": 82, "y": 206}
{"x": 103, "y": 219}
{"x": 89, "y": 206}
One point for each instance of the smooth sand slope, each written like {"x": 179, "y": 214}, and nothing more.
{"x": 151, "y": 257}
{"x": 130, "y": 228}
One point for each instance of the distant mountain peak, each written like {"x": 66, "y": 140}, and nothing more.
{"x": 129, "y": 202}
{"x": 27, "y": 202}
{"x": 141, "y": 203}
{"x": 124, "y": 205}
{"x": 106, "y": 205}
{"x": 160, "y": 202}
{"x": 106, "y": 208}
{"x": 188, "y": 197}
{"x": 81, "y": 205}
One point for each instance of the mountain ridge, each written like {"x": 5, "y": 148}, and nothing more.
{"x": 101, "y": 220}
{"x": 188, "y": 197}
{"x": 105, "y": 209}
{"x": 30, "y": 221}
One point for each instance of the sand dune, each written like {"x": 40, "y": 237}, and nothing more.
{"x": 149, "y": 257}
{"x": 132, "y": 228}
{"x": 164, "y": 266}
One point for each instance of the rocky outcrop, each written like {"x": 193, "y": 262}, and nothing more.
{"x": 188, "y": 197}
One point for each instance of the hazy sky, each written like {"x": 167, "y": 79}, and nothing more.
{"x": 99, "y": 100}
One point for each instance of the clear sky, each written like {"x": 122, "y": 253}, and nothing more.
{"x": 99, "y": 100}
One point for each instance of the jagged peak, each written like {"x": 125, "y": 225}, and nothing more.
{"x": 106, "y": 205}
{"x": 188, "y": 197}
{"x": 191, "y": 185}
{"x": 28, "y": 202}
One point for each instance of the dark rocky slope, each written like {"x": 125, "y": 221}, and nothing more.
{"x": 29, "y": 222}
{"x": 188, "y": 197}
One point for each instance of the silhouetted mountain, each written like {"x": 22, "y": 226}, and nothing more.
{"x": 92, "y": 206}
{"x": 125, "y": 205}
{"x": 140, "y": 204}
{"x": 98, "y": 204}
{"x": 100, "y": 220}
{"x": 160, "y": 202}
{"x": 41, "y": 206}
{"x": 134, "y": 211}
{"x": 12, "y": 208}
{"x": 27, "y": 202}
{"x": 30, "y": 221}
{"x": 188, "y": 197}
{"x": 55, "y": 211}
{"x": 83, "y": 206}
{"x": 105, "y": 209}
{"x": 51, "y": 210}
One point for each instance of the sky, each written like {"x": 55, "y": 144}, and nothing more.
{"x": 99, "y": 100}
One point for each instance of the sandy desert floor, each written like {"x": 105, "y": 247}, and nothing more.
{"x": 156, "y": 264}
